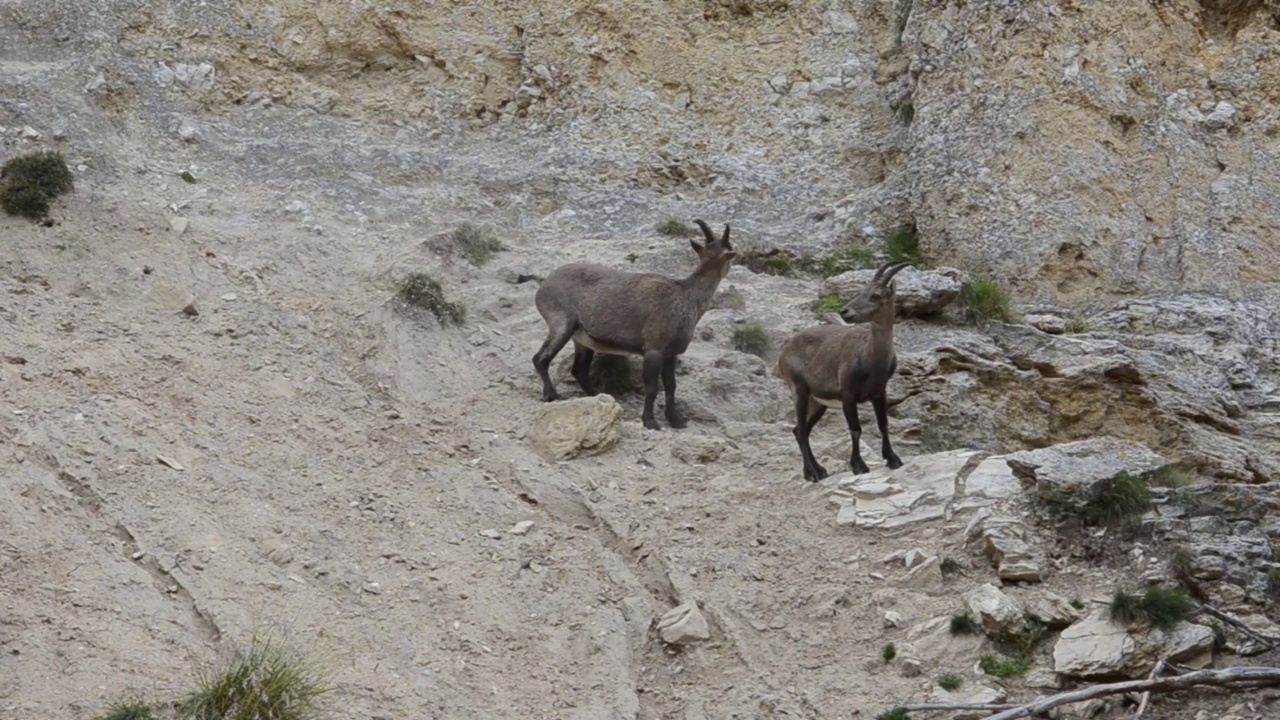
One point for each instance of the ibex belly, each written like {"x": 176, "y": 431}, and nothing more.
{"x": 834, "y": 403}
{"x": 582, "y": 338}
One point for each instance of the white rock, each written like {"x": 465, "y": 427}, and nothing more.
{"x": 1093, "y": 647}
{"x": 521, "y": 528}
{"x": 1000, "y": 614}
{"x": 683, "y": 624}
{"x": 892, "y": 619}
{"x": 1222, "y": 117}
{"x": 914, "y": 557}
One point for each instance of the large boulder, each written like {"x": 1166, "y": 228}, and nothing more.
{"x": 918, "y": 293}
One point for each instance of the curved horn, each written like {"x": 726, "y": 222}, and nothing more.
{"x": 880, "y": 271}
{"x": 888, "y": 274}
{"x": 724, "y": 239}
{"x": 706, "y": 231}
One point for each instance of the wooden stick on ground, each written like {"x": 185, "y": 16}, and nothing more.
{"x": 943, "y": 707}
{"x": 1146, "y": 696}
{"x": 1234, "y": 677}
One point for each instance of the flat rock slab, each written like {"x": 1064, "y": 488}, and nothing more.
{"x": 1093, "y": 647}
{"x": 1075, "y": 473}
{"x": 919, "y": 491}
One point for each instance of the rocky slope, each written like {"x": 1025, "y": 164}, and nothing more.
{"x": 345, "y": 474}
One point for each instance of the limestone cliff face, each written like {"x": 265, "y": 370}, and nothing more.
{"x": 1074, "y": 149}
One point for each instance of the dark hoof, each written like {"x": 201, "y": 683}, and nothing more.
{"x": 859, "y": 466}
{"x": 651, "y": 423}
{"x": 815, "y": 473}
{"x": 550, "y": 396}
{"x": 677, "y": 422}
{"x": 892, "y": 461}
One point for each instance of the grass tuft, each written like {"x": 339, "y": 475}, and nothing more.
{"x": 1219, "y": 636}
{"x": 476, "y": 245}
{"x": 1161, "y": 607}
{"x": 903, "y": 245}
{"x": 829, "y": 303}
{"x": 983, "y": 299}
{"x": 32, "y": 181}
{"x": 672, "y": 227}
{"x": 1077, "y": 603}
{"x": 187, "y": 177}
{"x": 751, "y": 339}
{"x": 1003, "y": 667}
{"x": 420, "y": 290}
{"x": 265, "y": 683}
{"x": 1120, "y": 504}
{"x": 889, "y": 652}
{"x": 898, "y": 713}
{"x": 950, "y": 682}
{"x": 1076, "y": 325}
{"x": 128, "y": 711}
{"x": 949, "y": 566}
{"x": 962, "y": 623}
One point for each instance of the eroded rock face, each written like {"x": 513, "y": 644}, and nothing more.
{"x": 577, "y": 427}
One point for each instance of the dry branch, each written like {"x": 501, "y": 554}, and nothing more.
{"x": 1235, "y": 677}
{"x": 1265, "y": 642}
{"x": 1146, "y": 696}
{"x": 944, "y": 707}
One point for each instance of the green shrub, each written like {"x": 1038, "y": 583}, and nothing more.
{"x": 1077, "y": 603}
{"x": 1119, "y": 504}
{"x": 983, "y": 299}
{"x": 1161, "y": 607}
{"x": 674, "y": 228}
{"x": 187, "y": 177}
{"x": 420, "y": 290}
{"x": 950, "y": 682}
{"x": 903, "y": 245}
{"x": 829, "y": 303}
{"x": 24, "y": 201}
{"x": 949, "y": 566}
{"x": 266, "y": 683}
{"x": 962, "y": 623}
{"x": 32, "y": 181}
{"x": 889, "y": 652}
{"x": 751, "y": 339}
{"x": 1003, "y": 667}
{"x": 898, "y": 713}
{"x": 476, "y": 245}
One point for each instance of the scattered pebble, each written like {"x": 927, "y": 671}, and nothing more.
{"x": 521, "y": 527}
{"x": 491, "y": 534}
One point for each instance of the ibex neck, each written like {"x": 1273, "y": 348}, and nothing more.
{"x": 703, "y": 284}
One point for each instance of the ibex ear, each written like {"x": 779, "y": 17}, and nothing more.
{"x": 731, "y": 255}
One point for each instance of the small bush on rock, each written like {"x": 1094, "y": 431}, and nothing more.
{"x": 1120, "y": 504}
{"x": 898, "y": 713}
{"x": 950, "y": 682}
{"x": 903, "y": 245}
{"x": 983, "y": 299}
{"x": 31, "y": 182}
{"x": 1161, "y": 607}
{"x": 420, "y": 290}
{"x": 962, "y": 623}
{"x": 751, "y": 339}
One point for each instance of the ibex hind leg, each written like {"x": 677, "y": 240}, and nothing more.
{"x": 582, "y": 357}
{"x": 558, "y": 334}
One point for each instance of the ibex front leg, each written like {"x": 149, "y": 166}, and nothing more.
{"x": 891, "y": 458}
{"x": 856, "y": 463}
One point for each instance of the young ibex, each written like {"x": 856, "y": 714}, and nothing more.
{"x": 840, "y": 365}
{"x": 623, "y": 313}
